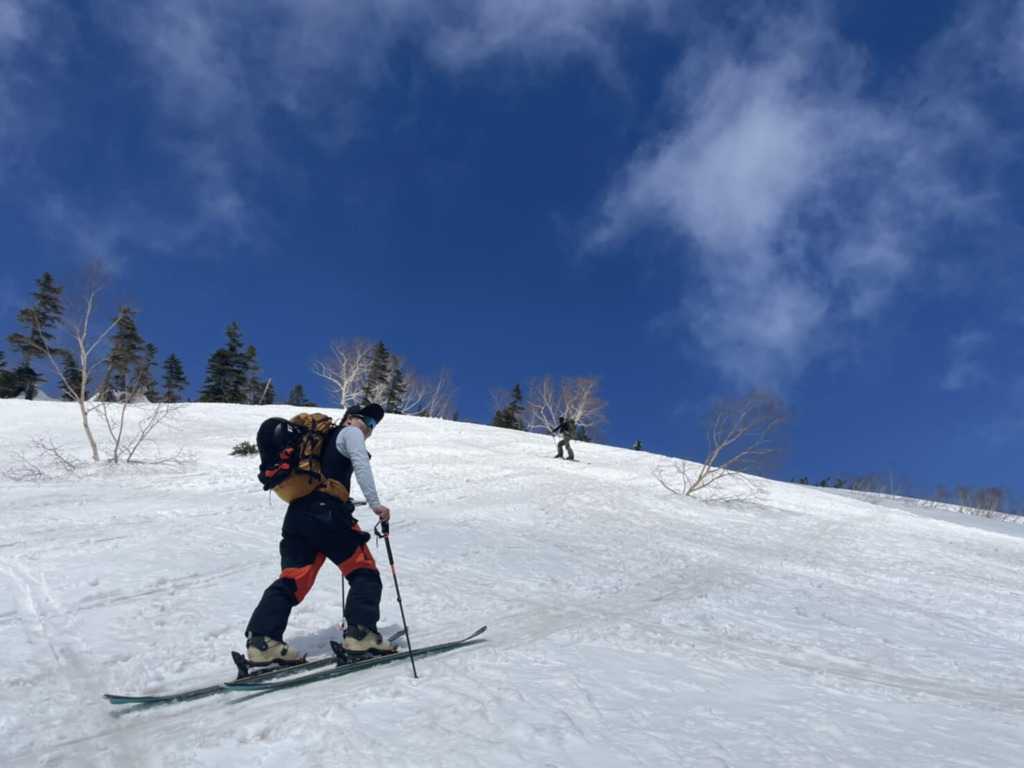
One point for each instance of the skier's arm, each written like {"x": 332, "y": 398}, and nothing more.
{"x": 352, "y": 446}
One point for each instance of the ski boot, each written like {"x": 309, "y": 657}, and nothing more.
{"x": 362, "y": 641}
{"x": 261, "y": 651}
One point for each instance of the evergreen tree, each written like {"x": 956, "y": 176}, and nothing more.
{"x": 394, "y": 395}
{"x": 298, "y": 397}
{"x": 269, "y": 393}
{"x": 174, "y": 381}
{"x": 73, "y": 376}
{"x": 129, "y": 360}
{"x": 226, "y": 371}
{"x": 379, "y": 375}
{"x": 25, "y": 380}
{"x": 7, "y": 386}
{"x": 510, "y": 417}
{"x": 37, "y": 340}
{"x": 144, "y": 376}
{"x": 257, "y": 391}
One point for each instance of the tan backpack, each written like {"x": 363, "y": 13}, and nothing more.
{"x": 290, "y": 456}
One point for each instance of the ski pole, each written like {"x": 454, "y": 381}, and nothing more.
{"x": 385, "y": 530}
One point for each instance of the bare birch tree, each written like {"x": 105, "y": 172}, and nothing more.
{"x": 347, "y": 369}
{"x": 543, "y": 406}
{"x": 742, "y": 439}
{"x": 575, "y": 398}
{"x": 79, "y": 364}
{"x": 426, "y": 396}
{"x": 355, "y": 371}
{"x": 78, "y": 367}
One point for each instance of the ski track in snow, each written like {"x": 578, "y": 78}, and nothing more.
{"x": 627, "y": 625}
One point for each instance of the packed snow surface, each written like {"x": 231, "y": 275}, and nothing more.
{"x": 628, "y": 625}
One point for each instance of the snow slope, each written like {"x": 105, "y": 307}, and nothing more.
{"x": 628, "y": 626}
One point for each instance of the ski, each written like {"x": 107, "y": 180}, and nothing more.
{"x": 344, "y": 668}
{"x": 245, "y": 668}
{"x": 244, "y": 673}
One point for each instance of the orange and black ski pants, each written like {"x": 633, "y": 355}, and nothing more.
{"x": 316, "y": 528}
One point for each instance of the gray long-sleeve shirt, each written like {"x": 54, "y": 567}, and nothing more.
{"x": 352, "y": 445}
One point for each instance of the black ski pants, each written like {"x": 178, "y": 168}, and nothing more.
{"x": 316, "y": 528}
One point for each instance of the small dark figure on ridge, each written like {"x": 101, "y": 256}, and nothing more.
{"x": 565, "y": 429}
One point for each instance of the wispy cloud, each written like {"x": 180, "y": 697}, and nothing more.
{"x": 540, "y": 31}
{"x": 216, "y": 70}
{"x": 32, "y": 35}
{"x": 964, "y": 369}
{"x": 801, "y": 199}
{"x": 232, "y": 59}
{"x": 13, "y": 24}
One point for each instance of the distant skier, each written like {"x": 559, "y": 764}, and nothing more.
{"x": 565, "y": 429}
{"x": 319, "y": 527}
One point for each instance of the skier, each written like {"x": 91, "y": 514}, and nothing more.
{"x": 319, "y": 527}
{"x": 565, "y": 429}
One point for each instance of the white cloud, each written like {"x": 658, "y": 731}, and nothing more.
{"x": 964, "y": 369}
{"x": 781, "y": 169}
{"x": 805, "y": 201}
{"x": 31, "y": 36}
{"x": 12, "y": 24}
{"x": 216, "y": 69}
{"x": 226, "y": 59}
{"x": 537, "y": 30}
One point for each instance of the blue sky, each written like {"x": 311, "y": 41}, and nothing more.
{"x": 686, "y": 199}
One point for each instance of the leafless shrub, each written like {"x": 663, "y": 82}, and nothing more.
{"x": 679, "y": 476}
{"x": 130, "y": 424}
{"x": 46, "y": 461}
{"x": 742, "y": 441}
{"x": 980, "y": 502}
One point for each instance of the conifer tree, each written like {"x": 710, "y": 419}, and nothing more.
{"x": 174, "y": 380}
{"x": 25, "y": 380}
{"x": 129, "y": 360}
{"x": 7, "y": 387}
{"x": 510, "y": 417}
{"x": 226, "y": 371}
{"x": 378, "y": 376}
{"x": 257, "y": 391}
{"x": 394, "y": 395}
{"x": 144, "y": 376}
{"x": 39, "y": 320}
{"x": 72, "y": 385}
{"x": 298, "y": 397}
